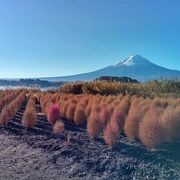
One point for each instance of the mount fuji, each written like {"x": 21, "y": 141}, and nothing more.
{"x": 136, "y": 67}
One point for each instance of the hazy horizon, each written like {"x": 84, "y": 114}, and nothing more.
{"x": 43, "y": 38}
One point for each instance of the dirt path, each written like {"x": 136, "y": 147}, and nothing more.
{"x": 38, "y": 154}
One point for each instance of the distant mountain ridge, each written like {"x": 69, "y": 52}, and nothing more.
{"x": 136, "y": 67}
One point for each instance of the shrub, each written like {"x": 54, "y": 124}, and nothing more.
{"x": 48, "y": 104}
{"x": 9, "y": 110}
{"x": 53, "y": 113}
{"x": 70, "y": 111}
{"x": 85, "y": 101}
{"x": 31, "y": 102}
{"x": 113, "y": 129}
{"x": 63, "y": 109}
{"x": 149, "y": 89}
{"x": 125, "y": 104}
{"x": 88, "y": 109}
{"x": 44, "y": 106}
{"x": 150, "y": 131}
{"x": 174, "y": 102}
{"x": 4, "y": 118}
{"x": 29, "y": 118}
{"x": 58, "y": 127}
{"x": 171, "y": 124}
{"x": 105, "y": 114}
{"x": 111, "y": 134}
{"x": 130, "y": 127}
{"x": 80, "y": 116}
{"x": 94, "y": 126}
{"x": 159, "y": 102}
{"x": 118, "y": 117}
{"x": 136, "y": 113}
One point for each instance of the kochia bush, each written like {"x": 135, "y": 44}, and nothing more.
{"x": 29, "y": 118}
{"x": 150, "y": 130}
{"x": 58, "y": 127}
{"x": 53, "y": 113}
{"x": 79, "y": 115}
{"x": 94, "y": 126}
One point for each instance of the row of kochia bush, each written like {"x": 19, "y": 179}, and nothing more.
{"x": 6, "y": 98}
{"x": 30, "y": 119}
{"x": 51, "y": 109}
{"x": 29, "y": 116}
{"x": 152, "y": 121}
{"x": 11, "y": 106}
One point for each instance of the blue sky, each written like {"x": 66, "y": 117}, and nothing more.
{"x": 61, "y": 37}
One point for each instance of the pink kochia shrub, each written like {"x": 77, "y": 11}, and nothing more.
{"x": 116, "y": 124}
{"x": 150, "y": 129}
{"x": 105, "y": 114}
{"x": 170, "y": 121}
{"x": 111, "y": 133}
{"x": 53, "y": 113}
{"x": 94, "y": 125}
{"x": 136, "y": 114}
{"x": 113, "y": 129}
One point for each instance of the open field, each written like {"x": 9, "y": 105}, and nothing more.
{"x": 61, "y": 136}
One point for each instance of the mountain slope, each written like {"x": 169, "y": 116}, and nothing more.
{"x": 136, "y": 67}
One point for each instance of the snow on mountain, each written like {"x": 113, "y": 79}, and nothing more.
{"x": 129, "y": 61}
{"x": 134, "y": 66}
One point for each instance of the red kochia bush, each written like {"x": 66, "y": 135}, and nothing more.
{"x": 29, "y": 118}
{"x": 150, "y": 130}
{"x": 80, "y": 116}
{"x": 170, "y": 121}
{"x": 105, "y": 114}
{"x": 70, "y": 111}
{"x": 94, "y": 125}
{"x": 116, "y": 124}
{"x": 111, "y": 133}
{"x": 4, "y": 116}
{"x": 53, "y": 113}
{"x": 58, "y": 127}
{"x": 133, "y": 119}
{"x": 113, "y": 129}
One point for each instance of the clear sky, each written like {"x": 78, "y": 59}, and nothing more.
{"x": 62, "y": 37}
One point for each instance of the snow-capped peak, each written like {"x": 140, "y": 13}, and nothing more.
{"x": 129, "y": 61}
{"x": 132, "y": 61}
